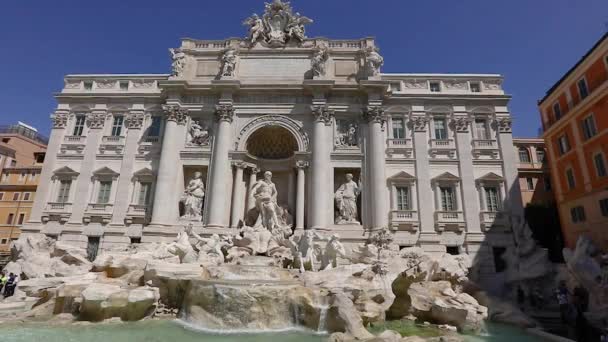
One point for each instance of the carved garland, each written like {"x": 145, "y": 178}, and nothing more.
{"x": 224, "y": 112}
{"x": 322, "y": 114}
{"x": 60, "y": 120}
{"x": 176, "y": 113}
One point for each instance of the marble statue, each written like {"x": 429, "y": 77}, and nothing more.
{"x": 278, "y": 25}
{"x": 210, "y": 249}
{"x": 346, "y": 200}
{"x": 193, "y": 198}
{"x": 346, "y": 135}
{"x": 333, "y": 250}
{"x": 229, "y": 62}
{"x": 198, "y": 135}
{"x": 265, "y": 195}
{"x": 319, "y": 61}
{"x": 182, "y": 248}
{"x": 178, "y": 62}
{"x": 305, "y": 250}
{"x": 373, "y": 61}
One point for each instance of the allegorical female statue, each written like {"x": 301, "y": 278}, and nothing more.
{"x": 193, "y": 198}
{"x": 346, "y": 200}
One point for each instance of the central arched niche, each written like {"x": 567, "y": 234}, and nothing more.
{"x": 271, "y": 142}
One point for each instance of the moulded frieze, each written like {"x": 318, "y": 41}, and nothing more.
{"x": 492, "y": 85}
{"x": 143, "y": 84}
{"x": 414, "y": 84}
{"x": 105, "y": 84}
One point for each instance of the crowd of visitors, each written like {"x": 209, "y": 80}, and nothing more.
{"x": 8, "y": 284}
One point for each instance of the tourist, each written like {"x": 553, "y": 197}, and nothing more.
{"x": 2, "y": 281}
{"x": 9, "y": 287}
{"x": 562, "y": 295}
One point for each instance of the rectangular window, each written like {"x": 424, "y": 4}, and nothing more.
{"x": 448, "y": 200}
{"x": 570, "y": 179}
{"x": 21, "y": 219}
{"x": 577, "y": 214}
{"x": 563, "y": 144}
{"x": 435, "y": 87}
{"x": 398, "y": 129}
{"x": 5, "y": 177}
{"x": 40, "y": 157}
{"x": 79, "y": 125}
{"x": 547, "y": 184}
{"x": 145, "y": 189}
{"x": 154, "y": 130}
{"x": 492, "y": 198}
{"x": 540, "y": 155}
{"x": 604, "y": 207}
{"x": 481, "y": 129}
{"x": 589, "y": 128}
{"x": 63, "y": 195}
{"x": 1, "y": 196}
{"x": 600, "y": 165}
{"x": 117, "y": 125}
{"x": 26, "y": 196}
{"x": 124, "y": 85}
{"x": 103, "y": 195}
{"x": 441, "y": 129}
{"x": 9, "y": 219}
{"x": 530, "y": 183}
{"x": 403, "y": 198}
{"x": 16, "y": 196}
{"x": 4, "y": 241}
{"x": 475, "y": 87}
{"x": 582, "y": 88}
{"x": 524, "y": 155}
{"x": 557, "y": 111}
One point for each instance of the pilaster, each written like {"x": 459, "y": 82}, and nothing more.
{"x": 461, "y": 124}
{"x": 418, "y": 125}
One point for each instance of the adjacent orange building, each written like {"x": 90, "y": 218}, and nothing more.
{"x": 533, "y": 172}
{"x": 22, "y": 152}
{"x": 574, "y": 115}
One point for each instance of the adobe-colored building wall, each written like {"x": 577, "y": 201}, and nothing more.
{"x": 16, "y": 184}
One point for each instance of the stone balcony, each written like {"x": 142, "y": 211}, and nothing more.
{"x": 399, "y": 148}
{"x": 112, "y": 145}
{"x": 493, "y": 219}
{"x": 136, "y": 212}
{"x": 101, "y": 211}
{"x": 445, "y": 148}
{"x": 57, "y": 211}
{"x": 404, "y": 220}
{"x": 73, "y": 144}
{"x": 485, "y": 147}
{"x": 450, "y": 221}
{"x": 148, "y": 145}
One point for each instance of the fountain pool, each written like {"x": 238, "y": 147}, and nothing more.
{"x": 165, "y": 331}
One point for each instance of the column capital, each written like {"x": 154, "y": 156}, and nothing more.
{"x": 224, "y": 112}
{"x": 301, "y": 164}
{"x": 322, "y": 113}
{"x": 176, "y": 113}
{"x": 419, "y": 123}
{"x": 374, "y": 114}
{"x": 240, "y": 164}
{"x": 461, "y": 124}
{"x": 59, "y": 119}
{"x": 135, "y": 119}
{"x": 97, "y": 119}
{"x": 255, "y": 170}
{"x": 503, "y": 125}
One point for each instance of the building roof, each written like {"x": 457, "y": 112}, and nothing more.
{"x": 561, "y": 80}
{"x": 24, "y": 131}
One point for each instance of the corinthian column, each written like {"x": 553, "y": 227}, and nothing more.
{"x": 320, "y": 167}
{"x": 376, "y": 155}
{"x": 237, "y": 195}
{"x": 165, "y": 209}
{"x": 220, "y": 167}
{"x": 300, "y": 194}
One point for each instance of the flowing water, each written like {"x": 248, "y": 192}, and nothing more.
{"x": 175, "y": 331}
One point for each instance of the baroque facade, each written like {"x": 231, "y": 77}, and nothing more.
{"x": 133, "y": 158}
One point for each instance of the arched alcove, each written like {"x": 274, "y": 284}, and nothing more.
{"x": 271, "y": 142}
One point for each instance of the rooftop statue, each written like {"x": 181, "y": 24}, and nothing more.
{"x": 278, "y": 26}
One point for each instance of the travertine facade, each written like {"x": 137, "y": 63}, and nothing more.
{"x": 431, "y": 155}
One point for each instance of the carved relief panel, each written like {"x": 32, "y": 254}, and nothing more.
{"x": 346, "y": 134}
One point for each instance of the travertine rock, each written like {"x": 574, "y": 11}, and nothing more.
{"x": 103, "y": 301}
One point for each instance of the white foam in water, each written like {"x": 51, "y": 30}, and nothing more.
{"x": 198, "y": 328}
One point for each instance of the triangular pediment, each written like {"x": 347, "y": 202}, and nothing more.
{"x": 65, "y": 171}
{"x": 402, "y": 176}
{"x": 145, "y": 172}
{"x": 105, "y": 171}
{"x": 446, "y": 176}
{"x": 490, "y": 177}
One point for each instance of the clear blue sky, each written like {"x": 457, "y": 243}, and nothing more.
{"x": 531, "y": 42}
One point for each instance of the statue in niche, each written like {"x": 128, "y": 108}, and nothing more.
{"x": 319, "y": 59}
{"x": 265, "y": 194}
{"x": 193, "y": 197}
{"x": 346, "y": 135}
{"x": 373, "y": 61}
{"x": 229, "y": 62}
{"x": 178, "y": 62}
{"x": 346, "y": 200}
{"x": 199, "y": 135}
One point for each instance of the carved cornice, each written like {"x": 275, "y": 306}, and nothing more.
{"x": 96, "y": 120}
{"x": 503, "y": 125}
{"x": 418, "y": 123}
{"x": 224, "y": 112}
{"x": 59, "y": 120}
{"x": 301, "y": 164}
{"x": 176, "y": 113}
{"x": 374, "y": 114}
{"x": 322, "y": 113}
{"x": 461, "y": 124}
{"x": 134, "y": 120}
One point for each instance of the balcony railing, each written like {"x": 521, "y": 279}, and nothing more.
{"x": 151, "y": 140}
{"x": 399, "y": 143}
{"x": 485, "y": 144}
{"x": 74, "y": 139}
{"x": 137, "y": 210}
{"x": 58, "y": 207}
{"x": 494, "y": 218}
{"x": 442, "y": 143}
{"x": 449, "y": 216}
{"x": 404, "y": 216}
{"x": 100, "y": 207}
{"x": 113, "y": 140}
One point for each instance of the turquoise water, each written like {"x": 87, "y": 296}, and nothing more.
{"x": 171, "y": 331}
